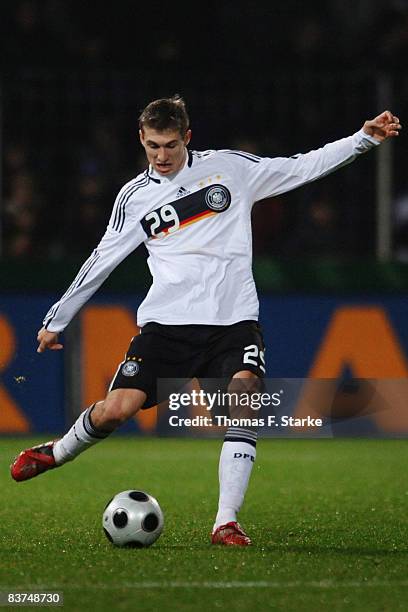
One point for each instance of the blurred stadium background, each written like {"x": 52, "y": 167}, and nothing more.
{"x": 330, "y": 259}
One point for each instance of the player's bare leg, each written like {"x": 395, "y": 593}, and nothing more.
{"x": 118, "y": 407}
{"x": 236, "y": 461}
{"x": 92, "y": 426}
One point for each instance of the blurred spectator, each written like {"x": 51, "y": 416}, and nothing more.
{"x": 23, "y": 209}
{"x": 16, "y": 158}
{"x": 388, "y": 43}
{"x": 85, "y": 215}
{"x": 400, "y": 227}
{"x": 28, "y": 41}
{"x": 312, "y": 42}
{"x": 268, "y": 226}
{"x": 317, "y": 232}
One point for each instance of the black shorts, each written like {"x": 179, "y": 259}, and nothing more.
{"x": 189, "y": 351}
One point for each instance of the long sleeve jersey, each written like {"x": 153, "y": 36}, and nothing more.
{"x": 196, "y": 225}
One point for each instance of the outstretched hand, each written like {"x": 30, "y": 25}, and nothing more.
{"x": 48, "y": 339}
{"x": 383, "y": 126}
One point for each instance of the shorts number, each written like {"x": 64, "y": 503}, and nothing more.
{"x": 166, "y": 214}
{"x": 254, "y": 356}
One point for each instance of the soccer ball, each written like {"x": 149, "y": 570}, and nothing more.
{"x": 133, "y": 519}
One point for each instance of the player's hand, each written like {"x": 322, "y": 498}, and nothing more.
{"x": 48, "y": 339}
{"x": 383, "y": 126}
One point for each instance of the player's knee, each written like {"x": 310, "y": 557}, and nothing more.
{"x": 116, "y": 413}
{"x": 242, "y": 391}
{"x": 112, "y": 419}
{"x": 115, "y": 410}
{"x": 105, "y": 416}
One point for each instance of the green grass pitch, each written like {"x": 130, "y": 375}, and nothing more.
{"x": 328, "y": 519}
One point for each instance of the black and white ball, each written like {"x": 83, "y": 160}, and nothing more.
{"x": 133, "y": 518}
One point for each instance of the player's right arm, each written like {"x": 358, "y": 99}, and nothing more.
{"x": 123, "y": 235}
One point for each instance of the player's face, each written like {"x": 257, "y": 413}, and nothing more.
{"x": 165, "y": 151}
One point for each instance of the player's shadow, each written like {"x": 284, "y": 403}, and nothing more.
{"x": 340, "y": 550}
{"x": 169, "y": 547}
{"x": 282, "y": 548}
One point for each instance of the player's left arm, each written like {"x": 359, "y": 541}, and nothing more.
{"x": 383, "y": 126}
{"x": 274, "y": 176}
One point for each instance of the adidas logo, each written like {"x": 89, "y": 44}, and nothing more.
{"x": 182, "y": 192}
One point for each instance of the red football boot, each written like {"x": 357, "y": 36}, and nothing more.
{"x": 33, "y": 461}
{"x": 230, "y": 534}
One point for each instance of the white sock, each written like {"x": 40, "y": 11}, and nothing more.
{"x": 237, "y": 457}
{"x": 81, "y": 436}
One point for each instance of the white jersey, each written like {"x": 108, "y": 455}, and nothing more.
{"x": 196, "y": 225}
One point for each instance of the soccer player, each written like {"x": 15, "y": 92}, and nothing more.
{"x": 200, "y": 317}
